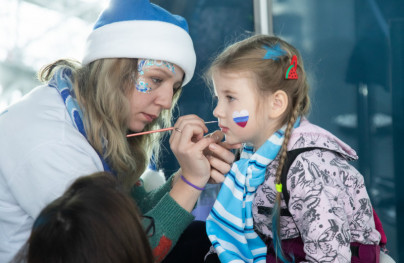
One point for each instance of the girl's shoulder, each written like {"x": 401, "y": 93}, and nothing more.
{"x": 308, "y": 135}
{"x": 322, "y": 170}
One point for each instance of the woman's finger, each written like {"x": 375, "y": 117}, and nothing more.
{"x": 230, "y": 146}
{"x": 217, "y": 135}
{"x": 187, "y": 136}
{"x": 216, "y": 177}
{"x": 219, "y": 165}
{"x": 221, "y": 152}
{"x": 185, "y": 121}
{"x": 189, "y": 119}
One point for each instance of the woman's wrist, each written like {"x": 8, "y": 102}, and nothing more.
{"x": 191, "y": 184}
{"x": 184, "y": 194}
{"x": 175, "y": 177}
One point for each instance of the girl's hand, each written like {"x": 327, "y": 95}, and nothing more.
{"x": 220, "y": 157}
{"x": 187, "y": 142}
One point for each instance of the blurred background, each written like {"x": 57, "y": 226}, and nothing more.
{"x": 353, "y": 52}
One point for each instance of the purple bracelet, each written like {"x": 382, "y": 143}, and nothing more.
{"x": 191, "y": 184}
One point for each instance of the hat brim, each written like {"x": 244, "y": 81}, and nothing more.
{"x": 143, "y": 39}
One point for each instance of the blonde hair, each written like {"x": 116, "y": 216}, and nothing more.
{"x": 102, "y": 89}
{"x": 248, "y": 56}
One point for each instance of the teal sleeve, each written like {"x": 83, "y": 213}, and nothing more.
{"x": 147, "y": 200}
{"x": 170, "y": 218}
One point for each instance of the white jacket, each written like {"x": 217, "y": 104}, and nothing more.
{"x": 41, "y": 154}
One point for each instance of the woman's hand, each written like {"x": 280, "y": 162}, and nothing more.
{"x": 188, "y": 144}
{"x": 220, "y": 157}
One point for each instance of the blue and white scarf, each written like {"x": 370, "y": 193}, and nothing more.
{"x": 61, "y": 81}
{"x": 230, "y": 222}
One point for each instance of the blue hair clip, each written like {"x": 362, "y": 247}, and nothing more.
{"x": 274, "y": 52}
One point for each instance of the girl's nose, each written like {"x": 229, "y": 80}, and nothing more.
{"x": 217, "y": 112}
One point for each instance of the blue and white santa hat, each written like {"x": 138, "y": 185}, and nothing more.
{"x": 140, "y": 29}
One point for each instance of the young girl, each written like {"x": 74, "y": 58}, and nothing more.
{"x": 263, "y": 96}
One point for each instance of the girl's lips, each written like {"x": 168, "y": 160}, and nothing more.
{"x": 224, "y": 129}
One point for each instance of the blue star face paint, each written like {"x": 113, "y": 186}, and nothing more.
{"x": 142, "y": 86}
{"x": 143, "y": 66}
{"x": 241, "y": 118}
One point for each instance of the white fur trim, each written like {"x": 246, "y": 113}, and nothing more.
{"x": 143, "y": 39}
{"x": 152, "y": 179}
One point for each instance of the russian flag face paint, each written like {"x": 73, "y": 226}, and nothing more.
{"x": 241, "y": 118}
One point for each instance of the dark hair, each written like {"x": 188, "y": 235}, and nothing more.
{"x": 93, "y": 221}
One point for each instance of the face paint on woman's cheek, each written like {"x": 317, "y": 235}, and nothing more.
{"x": 142, "y": 86}
{"x": 241, "y": 118}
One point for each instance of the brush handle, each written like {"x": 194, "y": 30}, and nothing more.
{"x": 159, "y": 130}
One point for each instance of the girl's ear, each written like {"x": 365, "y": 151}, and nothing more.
{"x": 278, "y": 104}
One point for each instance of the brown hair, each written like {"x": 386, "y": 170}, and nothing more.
{"x": 93, "y": 221}
{"x": 102, "y": 89}
{"x": 248, "y": 56}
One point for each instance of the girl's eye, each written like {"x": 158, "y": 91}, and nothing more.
{"x": 230, "y": 98}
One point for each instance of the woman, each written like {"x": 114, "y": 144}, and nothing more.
{"x": 137, "y": 59}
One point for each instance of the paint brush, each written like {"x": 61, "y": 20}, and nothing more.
{"x": 159, "y": 130}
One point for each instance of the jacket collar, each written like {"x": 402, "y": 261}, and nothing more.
{"x": 310, "y": 135}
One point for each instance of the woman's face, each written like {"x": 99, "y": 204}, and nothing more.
{"x": 155, "y": 85}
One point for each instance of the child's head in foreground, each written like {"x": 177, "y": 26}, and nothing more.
{"x": 93, "y": 221}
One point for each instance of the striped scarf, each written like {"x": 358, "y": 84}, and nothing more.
{"x": 61, "y": 81}
{"x": 230, "y": 222}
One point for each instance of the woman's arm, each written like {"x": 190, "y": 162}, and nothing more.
{"x": 188, "y": 144}
{"x": 170, "y": 219}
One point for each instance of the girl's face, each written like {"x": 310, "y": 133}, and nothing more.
{"x": 239, "y": 117}
{"x": 155, "y": 85}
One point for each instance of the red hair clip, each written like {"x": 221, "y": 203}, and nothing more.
{"x": 291, "y": 71}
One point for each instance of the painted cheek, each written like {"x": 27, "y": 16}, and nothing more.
{"x": 142, "y": 86}
{"x": 143, "y": 66}
{"x": 241, "y": 118}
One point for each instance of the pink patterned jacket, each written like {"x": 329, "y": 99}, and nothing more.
{"x": 329, "y": 203}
